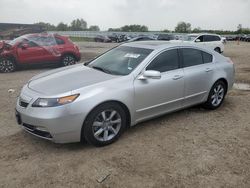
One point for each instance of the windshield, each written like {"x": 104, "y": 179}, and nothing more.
{"x": 16, "y": 40}
{"x": 121, "y": 60}
{"x": 189, "y": 37}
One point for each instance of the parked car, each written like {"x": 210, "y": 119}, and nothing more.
{"x": 129, "y": 84}
{"x": 166, "y": 37}
{"x": 247, "y": 38}
{"x": 102, "y": 38}
{"x": 210, "y": 40}
{"x": 141, "y": 38}
{"x": 230, "y": 38}
{"x": 38, "y": 48}
{"x": 114, "y": 37}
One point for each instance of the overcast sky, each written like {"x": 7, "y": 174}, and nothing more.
{"x": 156, "y": 14}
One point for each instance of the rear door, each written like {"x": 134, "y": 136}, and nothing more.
{"x": 49, "y": 44}
{"x": 198, "y": 67}
{"x": 158, "y": 96}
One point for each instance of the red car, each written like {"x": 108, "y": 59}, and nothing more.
{"x": 37, "y": 48}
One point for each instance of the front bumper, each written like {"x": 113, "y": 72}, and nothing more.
{"x": 59, "y": 124}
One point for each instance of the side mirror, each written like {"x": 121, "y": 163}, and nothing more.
{"x": 150, "y": 74}
{"x": 24, "y": 46}
{"x": 197, "y": 40}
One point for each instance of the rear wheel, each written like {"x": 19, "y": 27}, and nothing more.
{"x": 104, "y": 124}
{"x": 217, "y": 50}
{"x": 7, "y": 65}
{"x": 68, "y": 60}
{"x": 216, "y": 96}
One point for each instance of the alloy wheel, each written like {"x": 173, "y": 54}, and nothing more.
{"x": 218, "y": 95}
{"x": 6, "y": 65}
{"x": 68, "y": 60}
{"x": 106, "y": 125}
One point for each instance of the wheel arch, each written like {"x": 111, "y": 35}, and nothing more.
{"x": 224, "y": 80}
{"x": 68, "y": 53}
{"x": 217, "y": 48}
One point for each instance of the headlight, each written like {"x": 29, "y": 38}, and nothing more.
{"x": 52, "y": 102}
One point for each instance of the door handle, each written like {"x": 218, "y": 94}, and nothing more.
{"x": 177, "y": 77}
{"x": 208, "y": 70}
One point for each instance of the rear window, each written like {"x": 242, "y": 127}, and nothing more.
{"x": 207, "y": 58}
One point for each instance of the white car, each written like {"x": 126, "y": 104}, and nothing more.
{"x": 212, "y": 41}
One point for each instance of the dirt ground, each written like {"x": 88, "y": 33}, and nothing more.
{"x": 190, "y": 148}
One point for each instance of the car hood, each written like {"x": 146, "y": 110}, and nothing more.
{"x": 66, "y": 79}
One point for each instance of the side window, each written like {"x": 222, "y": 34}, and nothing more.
{"x": 59, "y": 41}
{"x": 32, "y": 44}
{"x": 210, "y": 38}
{"x": 166, "y": 61}
{"x": 191, "y": 57}
{"x": 201, "y": 38}
{"x": 207, "y": 38}
{"x": 217, "y": 38}
{"x": 207, "y": 58}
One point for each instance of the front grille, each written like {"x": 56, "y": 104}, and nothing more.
{"x": 34, "y": 130}
{"x": 23, "y": 104}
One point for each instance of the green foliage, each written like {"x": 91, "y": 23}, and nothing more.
{"x": 47, "y": 26}
{"x": 78, "y": 25}
{"x": 62, "y": 27}
{"x": 114, "y": 29}
{"x": 94, "y": 28}
{"x": 183, "y": 27}
{"x": 130, "y": 28}
{"x": 134, "y": 28}
{"x": 166, "y": 31}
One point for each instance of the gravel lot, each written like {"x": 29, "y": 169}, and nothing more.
{"x": 190, "y": 148}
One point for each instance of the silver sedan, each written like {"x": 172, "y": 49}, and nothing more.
{"x": 129, "y": 84}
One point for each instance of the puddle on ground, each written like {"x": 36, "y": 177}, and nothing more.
{"x": 242, "y": 86}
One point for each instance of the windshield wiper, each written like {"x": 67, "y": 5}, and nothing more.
{"x": 101, "y": 69}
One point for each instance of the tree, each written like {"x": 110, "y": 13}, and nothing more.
{"x": 46, "y": 26}
{"x": 62, "y": 27}
{"x": 166, "y": 31}
{"x": 78, "y": 25}
{"x": 239, "y": 29}
{"x": 183, "y": 27}
{"x": 94, "y": 28}
{"x": 196, "y": 30}
{"x": 134, "y": 28}
{"x": 114, "y": 29}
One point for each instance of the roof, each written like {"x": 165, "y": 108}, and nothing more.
{"x": 160, "y": 44}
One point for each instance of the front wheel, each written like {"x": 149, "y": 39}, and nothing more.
{"x": 7, "y": 65}
{"x": 104, "y": 124}
{"x": 68, "y": 60}
{"x": 216, "y": 96}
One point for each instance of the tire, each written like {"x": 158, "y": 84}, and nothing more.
{"x": 217, "y": 50}
{"x": 216, "y": 96}
{"x": 100, "y": 129}
{"x": 7, "y": 65}
{"x": 68, "y": 60}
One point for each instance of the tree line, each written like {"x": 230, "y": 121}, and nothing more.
{"x": 75, "y": 25}
{"x": 181, "y": 27}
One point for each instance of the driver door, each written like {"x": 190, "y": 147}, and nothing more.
{"x": 30, "y": 52}
{"x": 158, "y": 96}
